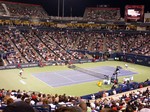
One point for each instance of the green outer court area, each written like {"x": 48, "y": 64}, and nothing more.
{"x": 10, "y": 79}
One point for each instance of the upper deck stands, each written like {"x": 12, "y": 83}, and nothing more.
{"x": 102, "y": 14}
{"x": 21, "y": 10}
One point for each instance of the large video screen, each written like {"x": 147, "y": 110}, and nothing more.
{"x": 134, "y": 13}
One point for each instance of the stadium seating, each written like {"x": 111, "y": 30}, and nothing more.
{"x": 33, "y": 46}
{"x": 49, "y": 103}
{"x": 43, "y": 108}
{"x": 22, "y": 10}
{"x": 102, "y": 14}
{"x": 121, "y": 88}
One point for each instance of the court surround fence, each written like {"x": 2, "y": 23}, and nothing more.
{"x": 132, "y": 58}
{"x": 54, "y": 63}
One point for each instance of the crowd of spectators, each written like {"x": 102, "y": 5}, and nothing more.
{"x": 2, "y": 10}
{"x": 141, "y": 45}
{"x": 34, "y": 45}
{"x": 112, "y": 43}
{"x": 55, "y": 41}
{"x": 132, "y": 102}
{"x": 8, "y": 50}
{"x": 97, "y": 43}
{"x": 136, "y": 43}
{"x": 126, "y": 42}
{"x": 23, "y": 10}
{"x": 39, "y": 46}
{"x": 126, "y": 102}
{"x": 23, "y": 46}
{"x": 127, "y": 97}
{"x": 102, "y": 14}
{"x": 8, "y": 97}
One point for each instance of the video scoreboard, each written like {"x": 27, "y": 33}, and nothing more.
{"x": 134, "y": 13}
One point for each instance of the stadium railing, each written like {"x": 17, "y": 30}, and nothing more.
{"x": 132, "y": 58}
{"x": 43, "y": 108}
{"x": 121, "y": 88}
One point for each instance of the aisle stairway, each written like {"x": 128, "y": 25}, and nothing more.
{"x": 16, "y": 49}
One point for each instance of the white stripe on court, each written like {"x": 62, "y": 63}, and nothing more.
{"x": 64, "y": 77}
{"x": 22, "y": 82}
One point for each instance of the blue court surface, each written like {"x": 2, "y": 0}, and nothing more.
{"x": 69, "y": 77}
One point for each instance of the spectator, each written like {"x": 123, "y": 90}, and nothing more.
{"x": 19, "y": 107}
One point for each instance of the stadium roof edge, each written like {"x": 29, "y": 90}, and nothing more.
{"x": 107, "y": 8}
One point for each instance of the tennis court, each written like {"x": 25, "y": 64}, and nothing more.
{"x": 69, "y": 77}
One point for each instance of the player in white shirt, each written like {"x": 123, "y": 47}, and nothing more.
{"x": 20, "y": 73}
{"x": 126, "y": 65}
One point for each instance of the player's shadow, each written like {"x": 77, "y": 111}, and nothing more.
{"x": 23, "y": 77}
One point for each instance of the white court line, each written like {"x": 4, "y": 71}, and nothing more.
{"x": 22, "y": 82}
{"x": 64, "y": 77}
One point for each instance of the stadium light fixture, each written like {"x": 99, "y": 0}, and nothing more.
{"x": 58, "y": 7}
{"x": 63, "y": 6}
